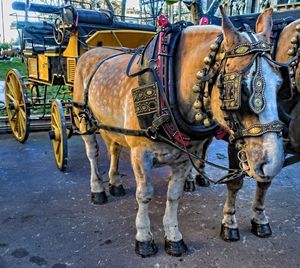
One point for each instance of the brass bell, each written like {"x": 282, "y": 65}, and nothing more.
{"x": 207, "y": 60}
{"x": 197, "y": 104}
{"x": 200, "y": 75}
{"x": 206, "y": 122}
{"x": 198, "y": 117}
{"x": 214, "y": 47}
{"x": 298, "y": 28}
{"x": 196, "y": 88}
{"x": 291, "y": 52}
{"x": 294, "y": 40}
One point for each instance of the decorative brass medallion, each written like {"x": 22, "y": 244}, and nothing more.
{"x": 232, "y": 91}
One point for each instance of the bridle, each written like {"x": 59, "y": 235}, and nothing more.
{"x": 230, "y": 85}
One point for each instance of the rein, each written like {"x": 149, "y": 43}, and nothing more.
{"x": 231, "y": 100}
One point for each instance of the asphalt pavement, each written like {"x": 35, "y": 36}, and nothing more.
{"x": 47, "y": 220}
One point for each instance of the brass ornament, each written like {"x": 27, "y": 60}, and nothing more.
{"x": 214, "y": 47}
{"x": 200, "y": 75}
{"x": 206, "y": 122}
{"x": 298, "y": 28}
{"x": 196, "y": 89}
{"x": 197, "y": 104}
{"x": 207, "y": 60}
{"x": 199, "y": 117}
{"x": 291, "y": 52}
{"x": 294, "y": 40}
{"x": 242, "y": 50}
{"x": 255, "y": 130}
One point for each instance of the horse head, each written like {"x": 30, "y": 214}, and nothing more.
{"x": 248, "y": 84}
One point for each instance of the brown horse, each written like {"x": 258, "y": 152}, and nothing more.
{"x": 110, "y": 100}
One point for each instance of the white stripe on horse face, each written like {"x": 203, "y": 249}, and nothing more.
{"x": 272, "y": 143}
{"x": 273, "y": 81}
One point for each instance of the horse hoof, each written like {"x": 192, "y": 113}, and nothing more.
{"x": 145, "y": 248}
{"x": 229, "y": 234}
{"x": 261, "y": 230}
{"x": 175, "y": 248}
{"x": 189, "y": 186}
{"x": 116, "y": 190}
{"x": 99, "y": 198}
{"x": 202, "y": 181}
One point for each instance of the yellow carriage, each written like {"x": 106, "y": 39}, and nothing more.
{"x": 51, "y": 51}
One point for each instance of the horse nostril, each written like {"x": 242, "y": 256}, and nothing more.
{"x": 260, "y": 169}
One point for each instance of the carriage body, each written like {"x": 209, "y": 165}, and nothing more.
{"x": 51, "y": 48}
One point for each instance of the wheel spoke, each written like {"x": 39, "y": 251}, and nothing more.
{"x": 56, "y": 120}
{"x": 10, "y": 87}
{"x": 57, "y": 148}
{"x": 17, "y": 89}
{"x": 13, "y": 117}
{"x": 10, "y": 97}
{"x": 22, "y": 122}
{"x": 22, "y": 112}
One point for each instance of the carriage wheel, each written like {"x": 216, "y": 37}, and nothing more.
{"x": 17, "y": 105}
{"x": 58, "y": 135}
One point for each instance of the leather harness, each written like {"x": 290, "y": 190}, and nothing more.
{"x": 168, "y": 125}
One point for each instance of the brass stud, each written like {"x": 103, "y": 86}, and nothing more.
{"x": 294, "y": 40}
{"x": 198, "y": 117}
{"x": 291, "y": 52}
{"x": 298, "y": 28}
{"x": 207, "y": 60}
{"x": 214, "y": 47}
{"x": 197, "y": 104}
{"x": 206, "y": 122}
{"x": 200, "y": 75}
{"x": 196, "y": 89}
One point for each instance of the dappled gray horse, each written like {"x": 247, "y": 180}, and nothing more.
{"x": 243, "y": 64}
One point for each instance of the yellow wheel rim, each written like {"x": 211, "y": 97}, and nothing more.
{"x": 59, "y": 132}
{"x": 16, "y": 105}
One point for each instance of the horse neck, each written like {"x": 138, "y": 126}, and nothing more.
{"x": 193, "y": 48}
{"x": 284, "y": 44}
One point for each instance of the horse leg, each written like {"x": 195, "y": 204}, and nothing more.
{"x": 229, "y": 228}
{"x": 200, "y": 180}
{"x": 142, "y": 164}
{"x": 98, "y": 195}
{"x": 174, "y": 244}
{"x": 194, "y": 176}
{"x": 115, "y": 184}
{"x": 259, "y": 222}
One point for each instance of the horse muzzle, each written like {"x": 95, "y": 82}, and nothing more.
{"x": 265, "y": 158}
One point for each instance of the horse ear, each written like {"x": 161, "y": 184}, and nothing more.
{"x": 230, "y": 33}
{"x": 264, "y": 23}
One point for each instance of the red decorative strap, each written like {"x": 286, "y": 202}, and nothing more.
{"x": 221, "y": 133}
{"x": 162, "y": 65}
